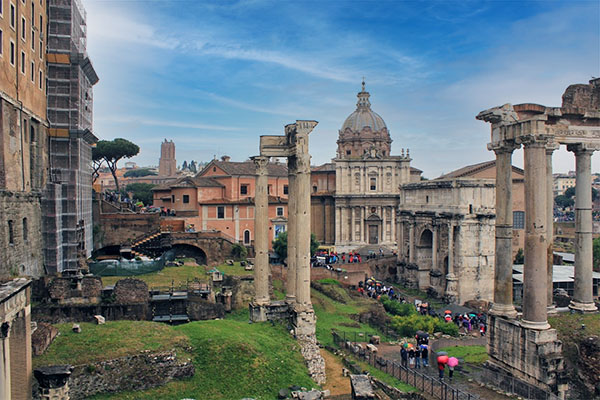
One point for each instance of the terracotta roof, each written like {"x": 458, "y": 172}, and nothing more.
{"x": 187, "y": 181}
{"x": 246, "y": 168}
{"x": 245, "y": 200}
{"x": 471, "y": 169}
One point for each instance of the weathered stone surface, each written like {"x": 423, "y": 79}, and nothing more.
{"x": 131, "y": 291}
{"x": 312, "y": 355}
{"x": 91, "y": 287}
{"x": 584, "y": 96}
{"x": 42, "y": 337}
{"x": 136, "y": 372}
{"x": 199, "y": 309}
{"x": 56, "y": 314}
{"x": 361, "y": 387}
{"x": 100, "y": 320}
{"x": 76, "y": 328}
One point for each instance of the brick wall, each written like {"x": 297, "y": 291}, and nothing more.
{"x": 131, "y": 291}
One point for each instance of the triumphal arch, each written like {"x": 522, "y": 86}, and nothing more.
{"x": 524, "y": 345}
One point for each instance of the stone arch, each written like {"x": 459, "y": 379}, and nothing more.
{"x": 426, "y": 238}
{"x": 114, "y": 250}
{"x": 425, "y": 249}
{"x": 190, "y": 251}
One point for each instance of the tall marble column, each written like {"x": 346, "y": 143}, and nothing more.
{"x": 451, "y": 293}
{"x": 550, "y": 226}
{"x": 411, "y": 242}
{"x": 290, "y": 296}
{"x": 352, "y": 228}
{"x": 338, "y": 222}
{"x": 535, "y": 268}
{"x": 362, "y": 224}
{"x": 582, "y": 295}
{"x": 383, "y": 224}
{"x": 303, "y": 229}
{"x": 393, "y": 226}
{"x": 261, "y": 230}
{"x": 503, "y": 287}
{"x": 434, "y": 247}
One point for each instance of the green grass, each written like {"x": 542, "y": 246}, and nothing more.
{"x": 278, "y": 289}
{"x": 568, "y": 326}
{"x": 180, "y": 275}
{"x": 234, "y": 360}
{"x": 111, "y": 340}
{"x": 470, "y": 354}
{"x": 329, "y": 281}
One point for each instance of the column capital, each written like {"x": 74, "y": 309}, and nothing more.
{"x": 261, "y": 163}
{"x": 505, "y": 146}
{"x": 534, "y": 140}
{"x": 551, "y": 146}
{"x": 583, "y": 148}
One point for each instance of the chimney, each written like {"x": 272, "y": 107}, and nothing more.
{"x": 225, "y": 158}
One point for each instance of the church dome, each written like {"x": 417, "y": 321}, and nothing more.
{"x": 363, "y": 115}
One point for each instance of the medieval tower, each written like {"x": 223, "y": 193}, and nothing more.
{"x": 167, "y": 165}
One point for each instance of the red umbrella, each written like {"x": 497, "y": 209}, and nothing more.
{"x": 442, "y": 359}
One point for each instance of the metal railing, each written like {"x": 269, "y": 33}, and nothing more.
{"x": 427, "y": 384}
{"x": 510, "y": 384}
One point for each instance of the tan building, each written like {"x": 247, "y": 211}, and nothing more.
{"x": 561, "y": 182}
{"x": 367, "y": 180}
{"x": 23, "y": 136}
{"x": 487, "y": 170}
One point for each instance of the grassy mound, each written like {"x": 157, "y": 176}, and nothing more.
{"x": 105, "y": 342}
{"x": 470, "y": 354}
{"x": 233, "y": 360}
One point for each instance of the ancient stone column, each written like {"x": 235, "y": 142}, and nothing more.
{"x": 362, "y": 224}
{"x": 503, "y": 287}
{"x": 352, "y": 228}
{"x": 261, "y": 230}
{"x": 393, "y": 226}
{"x": 550, "y": 226}
{"x": 434, "y": 247}
{"x": 451, "y": 279}
{"x": 303, "y": 230}
{"x": 535, "y": 268}
{"x": 290, "y": 284}
{"x": 411, "y": 242}
{"x": 383, "y": 224}
{"x": 582, "y": 295}
{"x": 338, "y": 222}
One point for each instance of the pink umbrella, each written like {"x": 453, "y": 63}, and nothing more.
{"x": 452, "y": 362}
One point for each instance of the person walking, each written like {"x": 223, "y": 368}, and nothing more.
{"x": 441, "y": 367}
{"x": 425, "y": 355}
{"x": 404, "y": 356}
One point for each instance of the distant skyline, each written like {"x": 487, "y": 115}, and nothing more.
{"x": 215, "y": 75}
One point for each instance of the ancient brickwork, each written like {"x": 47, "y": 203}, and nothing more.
{"x": 42, "y": 337}
{"x": 138, "y": 372}
{"x": 20, "y": 239}
{"x": 131, "y": 291}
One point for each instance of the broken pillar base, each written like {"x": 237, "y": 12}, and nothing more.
{"x": 530, "y": 355}
{"x": 582, "y": 307}
{"x": 303, "y": 320}
{"x": 258, "y": 312}
{"x": 53, "y": 381}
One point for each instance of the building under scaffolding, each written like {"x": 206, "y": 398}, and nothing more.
{"x": 67, "y": 222}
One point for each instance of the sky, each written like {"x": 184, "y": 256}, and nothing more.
{"x": 215, "y": 75}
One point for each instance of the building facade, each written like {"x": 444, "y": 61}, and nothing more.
{"x": 221, "y": 198}
{"x": 67, "y": 227}
{"x": 23, "y": 136}
{"x": 367, "y": 180}
{"x": 167, "y": 164}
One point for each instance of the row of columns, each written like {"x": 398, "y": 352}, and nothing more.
{"x": 434, "y": 245}
{"x": 341, "y": 217}
{"x": 537, "y": 285}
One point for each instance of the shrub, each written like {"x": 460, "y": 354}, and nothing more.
{"x": 396, "y": 308}
{"x": 329, "y": 281}
{"x": 239, "y": 252}
{"x": 447, "y": 328}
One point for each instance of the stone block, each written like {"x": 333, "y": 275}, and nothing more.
{"x": 371, "y": 348}
{"x": 375, "y": 339}
{"x": 131, "y": 291}
{"x": 100, "y": 320}
{"x": 76, "y": 328}
{"x": 361, "y": 387}
{"x": 42, "y": 337}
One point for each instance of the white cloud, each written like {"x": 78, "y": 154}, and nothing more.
{"x": 141, "y": 120}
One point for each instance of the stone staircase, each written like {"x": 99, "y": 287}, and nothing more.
{"x": 152, "y": 245}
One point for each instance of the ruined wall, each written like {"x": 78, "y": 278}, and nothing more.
{"x": 20, "y": 237}
{"x": 200, "y": 310}
{"x": 131, "y": 291}
{"x": 58, "y": 314}
{"x": 116, "y": 229}
{"x": 138, "y": 372}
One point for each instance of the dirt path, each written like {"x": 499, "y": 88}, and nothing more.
{"x": 336, "y": 382}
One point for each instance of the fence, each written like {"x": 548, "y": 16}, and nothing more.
{"x": 510, "y": 384}
{"x": 428, "y": 385}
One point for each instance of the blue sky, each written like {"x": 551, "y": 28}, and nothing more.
{"x": 215, "y": 75}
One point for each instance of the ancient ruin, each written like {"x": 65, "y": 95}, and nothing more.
{"x": 524, "y": 345}
{"x": 294, "y": 146}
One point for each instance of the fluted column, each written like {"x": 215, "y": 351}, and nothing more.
{"x": 352, "y": 227}
{"x": 535, "y": 268}
{"x": 550, "y": 227}
{"x": 290, "y": 296}
{"x": 434, "y": 247}
{"x": 451, "y": 293}
{"x": 503, "y": 287}
{"x": 411, "y": 242}
{"x": 261, "y": 230}
{"x": 582, "y": 295}
{"x": 303, "y": 230}
{"x": 362, "y": 224}
{"x": 383, "y": 224}
{"x": 393, "y": 226}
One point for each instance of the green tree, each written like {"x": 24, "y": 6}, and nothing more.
{"x": 280, "y": 245}
{"x": 520, "y": 257}
{"x": 570, "y": 192}
{"x": 141, "y": 192}
{"x": 596, "y": 252}
{"x": 111, "y": 151}
{"x": 563, "y": 201}
{"x": 239, "y": 252}
{"x": 139, "y": 172}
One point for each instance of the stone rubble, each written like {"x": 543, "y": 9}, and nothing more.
{"x": 314, "y": 360}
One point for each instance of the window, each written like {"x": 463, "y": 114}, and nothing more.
{"x": 25, "y": 129}
{"x": 41, "y": 49}
{"x": 13, "y": 16}
{"x": 186, "y": 198}
{"x": 280, "y": 211}
{"x": 33, "y": 40}
{"x": 172, "y": 199}
{"x": 220, "y": 212}
{"x": 244, "y": 189}
{"x": 32, "y": 13}
{"x": 23, "y": 28}
{"x": 1, "y": 8}
{"x": 214, "y": 169}
{"x": 31, "y": 133}
{"x": 23, "y": 62}
{"x": 269, "y": 189}
{"x": 315, "y": 189}
{"x": 25, "y": 230}
{"x": 373, "y": 183}
{"x": 12, "y": 53}
{"x": 11, "y": 233}
{"x": 32, "y": 71}
{"x": 1, "y": 42}
{"x": 41, "y": 26}
{"x": 518, "y": 219}
{"x": 286, "y": 189}
{"x": 41, "y": 79}
{"x": 246, "y": 237}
